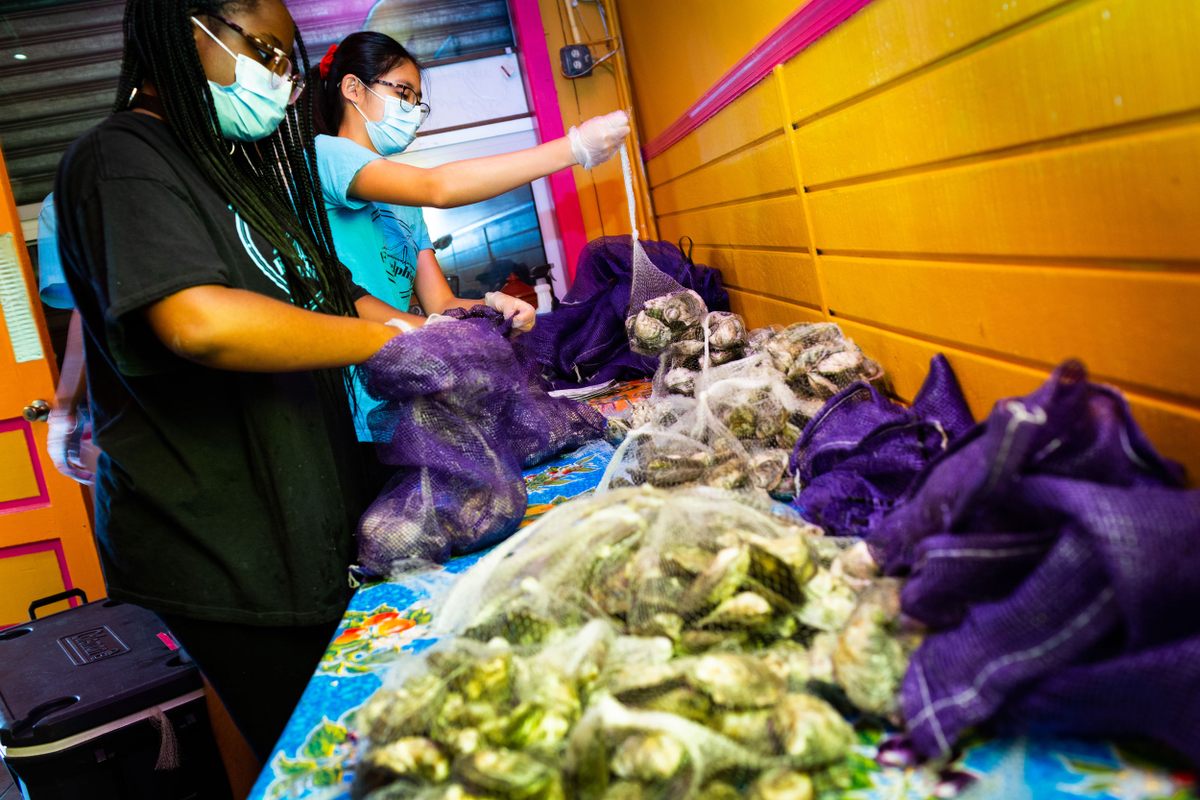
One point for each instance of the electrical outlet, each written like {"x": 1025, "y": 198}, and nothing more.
{"x": 577, "y": 61}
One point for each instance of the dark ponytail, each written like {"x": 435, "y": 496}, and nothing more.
{"x": 365, "y": 54}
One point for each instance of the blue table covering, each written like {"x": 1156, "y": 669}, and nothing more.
{"x": 387, "y": 621}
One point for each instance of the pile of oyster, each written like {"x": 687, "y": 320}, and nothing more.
{"x": 818, "y": 361}
{"x": 732, "y": 421}
{"x": 710, "y": 662}
{"x": 664, "y": 320}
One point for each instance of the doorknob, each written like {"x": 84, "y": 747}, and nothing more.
{"x": 37, "y": 411}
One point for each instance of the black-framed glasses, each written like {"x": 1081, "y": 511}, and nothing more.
{"x": 408, "y": 98}
{"x": 274, "y": 59}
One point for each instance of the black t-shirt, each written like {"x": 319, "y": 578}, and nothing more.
{"x": 221, "y": 495}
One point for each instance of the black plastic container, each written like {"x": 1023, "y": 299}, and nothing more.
{"x": 83, "y": 699}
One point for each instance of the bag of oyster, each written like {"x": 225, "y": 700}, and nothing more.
{"x": 735, "y": 433}
{"x": 643, "y": 644}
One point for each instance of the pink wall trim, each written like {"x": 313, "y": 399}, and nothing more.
{"x": 543, "y": 99}
{"x": 29, "y": 548}
{"x": 802, "y": 28}
{"x": 42, "y": 498}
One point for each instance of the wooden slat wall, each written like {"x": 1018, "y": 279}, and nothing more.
{"x": 1011, "y": 184}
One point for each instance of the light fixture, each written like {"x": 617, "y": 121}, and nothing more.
{"x": 20, "y": 56}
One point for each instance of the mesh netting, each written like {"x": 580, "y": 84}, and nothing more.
{"x": 1054, "y": 554}
{"x": 861, "y": 452}
{"x": 459, "y": 421}
{"x": 729, "y": 406}
{"x": 583, "y": 341}
{"x": 645, "y": 644}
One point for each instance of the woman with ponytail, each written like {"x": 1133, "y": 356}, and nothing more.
{"x": 368, "y": 105}
{"x": 218, "y": 324}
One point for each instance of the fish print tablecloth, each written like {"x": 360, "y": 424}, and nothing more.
{"x": 314, "y": 758}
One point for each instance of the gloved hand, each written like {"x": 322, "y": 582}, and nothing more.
{"x": 434, "y": 319}
{"x": 69, "y": 442}
{"x": 521, "y": 313}
{"x": 399, "y": 324}
{"x": 598, "y": 139}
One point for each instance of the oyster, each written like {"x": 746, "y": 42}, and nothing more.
{"x": 680, "y": 380}
{"x": 731, "y": 475}
{"x": 820, "y": 657}
{"x": 735, "y": 681}
{"x": 784, "y": 565}
{"x": 718, "y": 357}
{"x": 752, "y": 414}
{"x": 768, "y": 468}
{"x": 828, "y": 602}
{"x": 782, "y": 784}
{"x": 508, "y": 774}
{"x": 636, "y": 681}
{"x": 673, "y": 469}
{"x": 719, "y": 581}
{"x": 625, "y": 790}
{"x": 396, "y": 713}
{"x": 610, "y": 580}
{"x": 647, "y": 334}
{"x": 682, "y": 701}
{"x": 686, "y": 354}
{"x": 616, "y": 430}
{"x": 680, "y": 311}
{"x": 750, "y": 728}
{"x": 650, "y": 758}
{"x": 746, "y": 610}
{"x": 726, "y": 330}
{"x": 686, "y": 560}
{"x": 488, "y": 679}
{"x": 530, "y": 726}
{"x": 810, "y": 731}
{"x": 718, "y": 790}
{"x": 869, "y": 661}
{"x": 412, "y": 759}
{"x": 791, "y": 662}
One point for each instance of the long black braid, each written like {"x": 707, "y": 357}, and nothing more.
{"x": 272, "y": 183}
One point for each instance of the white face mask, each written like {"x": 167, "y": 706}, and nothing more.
{"x": 397, "y": 129}
{"x": 253, "y": 106}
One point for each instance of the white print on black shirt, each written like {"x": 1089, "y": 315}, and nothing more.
{"x": 273, "y": 270}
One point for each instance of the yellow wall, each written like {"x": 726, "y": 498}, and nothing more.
{"x": 1009, "y": 183}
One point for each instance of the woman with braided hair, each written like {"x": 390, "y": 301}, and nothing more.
{"x": 368, "y": 105}
{"x": 218, "y": 324}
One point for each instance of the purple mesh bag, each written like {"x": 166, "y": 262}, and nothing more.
{"x": 583, "y": 341}
{"x": 862, "y": 451}
{"x": 461, "y": 418}
{"x": 1053, "y": 556}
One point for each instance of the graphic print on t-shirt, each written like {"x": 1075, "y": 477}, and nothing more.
{"x": 273, "y": 270}
{"x": 399, "y": 250}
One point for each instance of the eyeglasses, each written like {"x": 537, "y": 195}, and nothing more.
{"x": 278, "y": 62}
{"x": 408, "y": 98}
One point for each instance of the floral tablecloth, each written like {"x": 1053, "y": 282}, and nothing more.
{"x": 314, "y": 758}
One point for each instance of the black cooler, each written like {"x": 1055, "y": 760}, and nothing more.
{"x": 99, "y": 702}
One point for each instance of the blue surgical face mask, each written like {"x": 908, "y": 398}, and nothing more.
{"x": 397, "y": 129}
{"x": 253, "y": 106}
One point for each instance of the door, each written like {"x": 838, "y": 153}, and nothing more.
{"x": 46, "y": 543}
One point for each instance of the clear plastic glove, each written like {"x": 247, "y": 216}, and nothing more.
{"x": 521, "y": 313}
{"x": 434, "y": 319}
{"x": 69, "y": 442}
{"x": 598, "y": 139}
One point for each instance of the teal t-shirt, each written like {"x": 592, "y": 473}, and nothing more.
{"x": 377, "y": 241}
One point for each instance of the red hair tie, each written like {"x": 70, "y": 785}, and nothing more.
{"x": 327, "y": 62}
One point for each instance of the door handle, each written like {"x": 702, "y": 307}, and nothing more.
{"x": 37, "y": 411}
